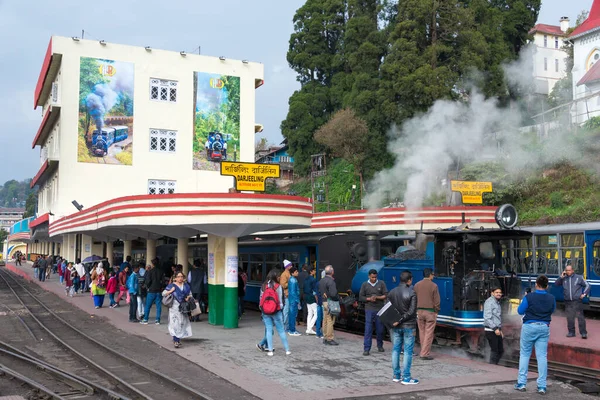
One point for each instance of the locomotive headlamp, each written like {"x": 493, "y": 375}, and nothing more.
{"x": 506, "y": 216}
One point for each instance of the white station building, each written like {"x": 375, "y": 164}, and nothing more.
{"x": 130, "y": 144}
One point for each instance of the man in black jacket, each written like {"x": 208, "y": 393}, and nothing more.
{"x": 404, "y": 300}
{"x": 154, "y": 282}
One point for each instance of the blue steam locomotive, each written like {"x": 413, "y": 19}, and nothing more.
{"x": 104, "y": 138}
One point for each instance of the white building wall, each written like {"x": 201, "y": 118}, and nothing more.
{"x": 546, "y": 59}
{"x": 585, "y": 50}
{"x": 91, "y": 184}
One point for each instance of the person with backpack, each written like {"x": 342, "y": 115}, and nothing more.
{"x": 271, "y": 305}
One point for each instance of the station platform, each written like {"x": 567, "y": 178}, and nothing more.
{"x": 312, "y": 371}
{"x": 574, "y": 350}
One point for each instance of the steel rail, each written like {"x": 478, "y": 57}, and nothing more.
{"x": 21, "y": 320}
{"x": 95, "y": 388}
{"x": 31, "y": 382}
{"x": 180, "y": 385}
{"x": 562, "y": 370}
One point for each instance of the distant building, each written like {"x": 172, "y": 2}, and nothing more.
{"x": 586, "y": 69}
{"x": 278, "y": 155}
{"x": 549, "y": 58}
{"x": 9, "y": 216}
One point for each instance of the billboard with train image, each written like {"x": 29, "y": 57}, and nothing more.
{"x": 105, "y": 111}
{"x": 216, "y": 120}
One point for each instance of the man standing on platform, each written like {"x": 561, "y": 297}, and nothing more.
{"x": 284, "y": 281}
{"x": 404, "y": 300}
{"x": 428, "y": 306}
{"x": 536, "y": 309}
{"x": 373, "y": 293}
{"x": 575, "y": 288}
{"x": 42, "y": 264}
{"x": 328, "y": 290}
{"x": 154, "y": 284}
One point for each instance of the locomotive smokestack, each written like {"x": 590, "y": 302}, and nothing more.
{"x": 373, "y": 248}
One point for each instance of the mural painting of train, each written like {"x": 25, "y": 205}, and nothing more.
{"x": 103, "y": 138}
{"x": 216, "y": 147}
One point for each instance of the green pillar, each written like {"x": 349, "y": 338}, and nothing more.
{"x": 230, "y": 303}
{"x": 216, "y": 275}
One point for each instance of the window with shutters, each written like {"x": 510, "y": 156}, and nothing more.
{"x": 163, "y": 141}
{"x": 157, "y": 186}
{"x": 163, "y": 90}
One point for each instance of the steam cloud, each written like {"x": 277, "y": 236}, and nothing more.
{"x": 467, "y": 131}
{"x": 106, "y": 95}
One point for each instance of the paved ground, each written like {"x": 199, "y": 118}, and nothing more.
{"x": 313, "y": 371}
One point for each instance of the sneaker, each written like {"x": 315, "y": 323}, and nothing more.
{"x": 584, "y": 336}
{"x": 287, "y": 353}
{"x": 319, "y": 337}
{"x": 270, "y": 354}
{"x": 366, "y": 353}
{"x": 428, "y": 358}
{"x": 333, "y": 343}
{"x": 570, "y": 335}
{"x": 520, "y": 387}
{"x": 311, "y": 332}
{"x": 410, "y": 381}
{"x": 144, "y": 322}
{"x": 96, "y": 307}
{"x": 380, "y": 349}
{"x": 396, "y": 380}
{"x": 156, "y": 322}
{"x": 260, "y": 347}
{"x": 294, "y": 334}
{"x": 541, "y": 390}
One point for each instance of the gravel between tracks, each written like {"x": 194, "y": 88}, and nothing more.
{"x": 139, "y": 348}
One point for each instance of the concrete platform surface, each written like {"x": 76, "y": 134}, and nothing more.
{"x": 312, "y": 371}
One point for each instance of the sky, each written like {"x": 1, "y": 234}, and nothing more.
{"x": 256, "y": 30}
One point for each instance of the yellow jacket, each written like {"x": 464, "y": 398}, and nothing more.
{"x": 284, "y": 280}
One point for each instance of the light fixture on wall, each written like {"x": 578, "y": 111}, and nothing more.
{"x": 222, "y": 58}
{"x": 50, "y": 213}
{"x": 102, "y": 42}
{"x": 78, "y": 206}
{"x": 75, "y": 38}
{"x": 148, "y": 48}
{"x": 183, "y": 53}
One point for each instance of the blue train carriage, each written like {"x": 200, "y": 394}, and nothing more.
{"x": 107, "y": 136}
{"x": 552, "y": 247}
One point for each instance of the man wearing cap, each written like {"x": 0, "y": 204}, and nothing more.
{"x": 284, "y": 280}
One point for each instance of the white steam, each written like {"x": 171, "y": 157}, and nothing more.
{"x": 469, "y": 130}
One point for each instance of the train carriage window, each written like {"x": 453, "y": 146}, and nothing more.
{"x": 293, "y": 257}
{"x": 272, "y": 261}
{"x": 256, "y": 264}
{"x": 596, "y": 257}
{"x": 572, "y": 251}
{"x": 546, "y": 241}
{"x": 486, "y": 250}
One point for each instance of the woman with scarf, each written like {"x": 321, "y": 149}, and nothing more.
{"x": 179, "y": 323}
{"x": 99, "y": 280}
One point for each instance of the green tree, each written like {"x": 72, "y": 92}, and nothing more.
{"x": 30, "y": 205}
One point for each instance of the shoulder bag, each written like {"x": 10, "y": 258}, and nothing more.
{"x": 334, "y": 307}
{"x": 168, "y": 300}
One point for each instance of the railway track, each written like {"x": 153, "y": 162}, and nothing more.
{"x": 561, "y": 371}
{"x": 108, "y": 371}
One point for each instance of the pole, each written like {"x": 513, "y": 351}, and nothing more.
{"x": 82, "y": 33}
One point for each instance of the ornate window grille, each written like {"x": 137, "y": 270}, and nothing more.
{"x": 157, "y": 186}
{"x": 163, "y": 141}
{"x": 163, "y": 90}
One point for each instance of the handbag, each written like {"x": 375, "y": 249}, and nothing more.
{"x": 334, "y": 307}
{"x": 197, "y": 310}
{"x": 167, "y": 300}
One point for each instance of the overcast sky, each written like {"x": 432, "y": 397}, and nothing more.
{"x": 256, "y": 30}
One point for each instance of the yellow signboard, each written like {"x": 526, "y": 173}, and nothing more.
{"x": 250, "y": 176}
{"x": 471, "y": 191}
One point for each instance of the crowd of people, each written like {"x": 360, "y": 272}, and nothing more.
{"x": 293, "y": 297}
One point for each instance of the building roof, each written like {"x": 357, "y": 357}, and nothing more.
{"x": 11, "y": 210}
{"x": 549, "y": 29}
{"x": 592, "y": 75}
{"x": 592, "y": 23}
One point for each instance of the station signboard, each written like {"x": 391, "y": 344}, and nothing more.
{"x": 472, "y": 192}
{"x": 250, "y": 176}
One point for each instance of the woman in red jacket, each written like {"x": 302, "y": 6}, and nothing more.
{"x": 111, "y": 288}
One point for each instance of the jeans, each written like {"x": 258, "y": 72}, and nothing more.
{"x": 277, "y": 321}
{"x": 61, "y": 279}
{"x": 534, "y": 334}
{"x": 286, "y": 312}
{"x": 42, "y": 274}
{"x": 370, "y": 317}
{"x": 155, "y": 298}
{"x": 140, "y": 305}
{"x": 319, "y": 326}
{"x": 400, "y": 335}
{"x": 111, "y": 297}
{"x": 133, "y": 308}
{"x": 575, "y": 309}
{"x": 293, "y": 313}
{"x": 240, "y": 306}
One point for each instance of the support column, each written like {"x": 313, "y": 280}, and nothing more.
{"x": 230, "y": 301}
{"x": 216, "y": 278}
{"x": 126, "y": 249}
{"x": 150, "y": 250}
{"x": 182, "y": 254}
{"x": 109, "y": 252}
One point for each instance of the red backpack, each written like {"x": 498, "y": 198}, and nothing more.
{"x": 269, "y": 302}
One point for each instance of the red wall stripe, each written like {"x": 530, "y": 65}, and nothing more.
{"x": 43, "y": 74}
